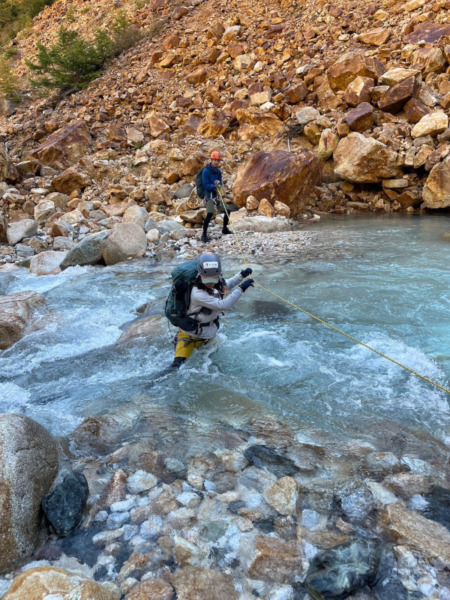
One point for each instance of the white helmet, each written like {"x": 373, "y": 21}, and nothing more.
{"x": 209, "y": 266}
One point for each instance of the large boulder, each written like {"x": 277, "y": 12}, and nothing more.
{"x": 66, "y": 146}
{"x": 15, "y": 314}
{"x": 19, "y": 230}
{"x": 87, "y": 252}
{"x": 365, "y": 160}
{"x": 278, "y": 175}
{"x": 351, "y": 65}
{"x": 136, "y": 214}
{"x": 28, "y": 467}
{"x": 41, "y": 583}
{"x": 436, "y": 192}
{"x": 127, "y": 240}
{"x": 47, "y": 263}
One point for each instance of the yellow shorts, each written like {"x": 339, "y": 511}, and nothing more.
{"x": 186, "y": 344}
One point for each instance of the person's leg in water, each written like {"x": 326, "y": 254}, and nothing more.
{"x": 206, "y": 222}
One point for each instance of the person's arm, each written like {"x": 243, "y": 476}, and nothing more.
{"x": 202, "y": 297}
{"x": 234, "y": 281}
{"x": 237, "y": 279}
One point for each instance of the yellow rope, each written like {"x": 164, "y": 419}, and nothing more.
{"x": 350, "y": 337}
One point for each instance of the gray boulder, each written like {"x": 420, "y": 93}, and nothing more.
{"x": 87, "y": 252}
{"x": 19, "y": 230}
{"x": 15, "y": 314}
{"x": 28, "y": 467}
{"x": 127, "y": 240}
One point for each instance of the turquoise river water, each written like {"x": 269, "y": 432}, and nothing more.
{"x": 385, "y": 281}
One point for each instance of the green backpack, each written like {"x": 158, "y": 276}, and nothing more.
{"x": 177, "y": 303}
{"x": 199, "y": 184}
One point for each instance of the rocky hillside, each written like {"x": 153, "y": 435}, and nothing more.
{"x": 365, "y": 87}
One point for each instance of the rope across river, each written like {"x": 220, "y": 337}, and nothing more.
{"x": 350, "y": 337}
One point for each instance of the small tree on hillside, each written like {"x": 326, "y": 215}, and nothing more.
{"x": 72, "y": 62}
{"x": 9, "y": 84}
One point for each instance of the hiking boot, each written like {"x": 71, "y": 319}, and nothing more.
{"x": 226, "y": 231}
{"x": 205, "y": 238}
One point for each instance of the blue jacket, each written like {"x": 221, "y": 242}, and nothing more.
{"x": 209, "y": 176}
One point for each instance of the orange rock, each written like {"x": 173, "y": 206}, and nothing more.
{"x": 66, "y": 146}
{"x": 349, "y": 66}
{"x": 278, "y": 175}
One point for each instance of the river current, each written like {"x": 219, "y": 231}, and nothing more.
{"x": 384, "y": 281}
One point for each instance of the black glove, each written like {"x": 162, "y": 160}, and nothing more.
{"x": 246, "y": 284}
{"x": 246, "y": 272}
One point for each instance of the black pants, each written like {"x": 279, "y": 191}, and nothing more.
{"x": 207, "y": 221}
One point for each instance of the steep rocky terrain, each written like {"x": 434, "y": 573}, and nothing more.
{"x": 363, "y": 86}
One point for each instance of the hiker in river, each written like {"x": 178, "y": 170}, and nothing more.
{"x": 212, "y": 179}
{"x": 209, "y": 298}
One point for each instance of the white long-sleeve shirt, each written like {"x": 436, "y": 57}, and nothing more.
{"x": 216, "y": 303}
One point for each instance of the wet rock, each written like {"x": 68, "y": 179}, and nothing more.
{"x": 28, "y": 467}
{"x": 410, "y": 529}
{"x": 197, "y": 584}
{"x": 356, "y": 501}
{"x": 151, "y": 589}
{"x": 148, "y": 327}
{"x": 279, "y": 175}
{"x": 87, "y": 252}
{"x": 64, "y": 506}
{"x": 65, "y": 146}
{"x": 141, "y": 481}
{"x": 44, "y": 582}
{"x": 19, "y": 230}
{"x": 15, "y": 314}
{"x": 438, "y": 508}
{"x": 339, "y": 572}
{"x": 127, "y": 240}
{"x": 436, "y": 192}
{"x": 47, "y": 263}
{"x": 283, "y": 495}
{"x": 275, "y": 560}
{"x": 267, "y": 458}
{"x": 365, "y": 160}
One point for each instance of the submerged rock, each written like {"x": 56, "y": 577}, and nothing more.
{"x": 339, "y": 572}
{"x": 50, "y": 582}
{"x": 64, "y": 506}
{"x": 267, "y": 458}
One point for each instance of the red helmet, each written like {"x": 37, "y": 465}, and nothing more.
{"x": 216, "y": 155}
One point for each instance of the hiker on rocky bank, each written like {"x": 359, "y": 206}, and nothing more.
{"x": 211, "y": 179}
{"x": 209, "y": 299}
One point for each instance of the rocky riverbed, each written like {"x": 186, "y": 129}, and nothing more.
{"x": 264, "y": 512}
